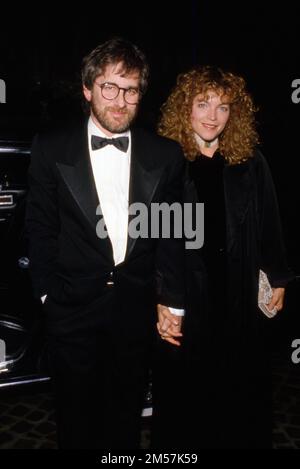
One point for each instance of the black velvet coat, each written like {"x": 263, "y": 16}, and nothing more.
{"x": 227, "y": 349}
{"x": 254, "y": 239}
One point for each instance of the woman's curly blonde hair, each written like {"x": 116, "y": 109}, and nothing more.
{"x": 237, "y": 141}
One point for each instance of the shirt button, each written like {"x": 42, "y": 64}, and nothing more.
{"x": 110, "y": 282}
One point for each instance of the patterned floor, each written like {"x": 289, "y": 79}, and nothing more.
{"x": 27, "y": 420}
{"x": 286, "y": 399}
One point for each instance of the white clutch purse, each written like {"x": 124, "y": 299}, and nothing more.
{"x": 265, "y": 293}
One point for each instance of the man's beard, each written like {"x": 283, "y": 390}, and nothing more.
{"x": 110, "y": 124}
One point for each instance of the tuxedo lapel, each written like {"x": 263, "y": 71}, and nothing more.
{"x": 78, "y": 177}
{"x": 144, "y": 178}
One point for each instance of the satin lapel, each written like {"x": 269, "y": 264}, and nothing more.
{"x": 144, "y": 178}
{"x": 79, "y": 179}
{"x": 238, "y": 189}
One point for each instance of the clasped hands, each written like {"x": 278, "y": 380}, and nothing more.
{"x": 169, "y": 325}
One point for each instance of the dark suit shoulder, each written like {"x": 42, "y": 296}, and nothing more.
{"x": 57, "y": 133}
{"x": 156, "y": 139}
{"x": 157, "y": 149}
{"x": 60, "y": 143}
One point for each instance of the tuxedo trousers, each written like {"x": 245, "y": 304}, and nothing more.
{"x": 100, "y": 372}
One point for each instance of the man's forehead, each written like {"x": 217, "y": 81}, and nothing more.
{"x": 121, "y": 70}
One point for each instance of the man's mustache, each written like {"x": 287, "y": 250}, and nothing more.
{"x": 115, "y": 109}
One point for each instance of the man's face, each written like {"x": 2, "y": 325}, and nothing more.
{"x": 116, "y": 115}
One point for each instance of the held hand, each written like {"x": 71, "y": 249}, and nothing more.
{"x": 277, "y": 299}
{"x": 168, "y": 325}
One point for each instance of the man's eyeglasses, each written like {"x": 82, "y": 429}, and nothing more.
{"x": 111, "y": 91}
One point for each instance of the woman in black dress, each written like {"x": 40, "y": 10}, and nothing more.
{"x": 224, "y": 380}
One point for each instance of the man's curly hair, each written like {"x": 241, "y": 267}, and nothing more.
{"x": 237, "y": 141}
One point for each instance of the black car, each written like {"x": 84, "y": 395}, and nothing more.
{"x": 22, "y": 358}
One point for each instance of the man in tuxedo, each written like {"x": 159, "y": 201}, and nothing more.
{"x": 99, "y": 292}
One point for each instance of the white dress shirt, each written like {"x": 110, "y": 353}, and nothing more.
{"x": 111, "y": 168}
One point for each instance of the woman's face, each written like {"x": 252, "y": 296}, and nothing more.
{"x": 209, "y": 115}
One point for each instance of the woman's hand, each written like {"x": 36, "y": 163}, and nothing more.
{"x": 277, "y": 299}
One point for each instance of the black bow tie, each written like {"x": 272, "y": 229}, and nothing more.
{"x": 120, "y": 142}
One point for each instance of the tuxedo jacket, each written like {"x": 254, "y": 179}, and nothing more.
{"x": 68, "y": 261}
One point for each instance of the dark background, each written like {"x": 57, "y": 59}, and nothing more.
{"x": 41, "y": 52}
